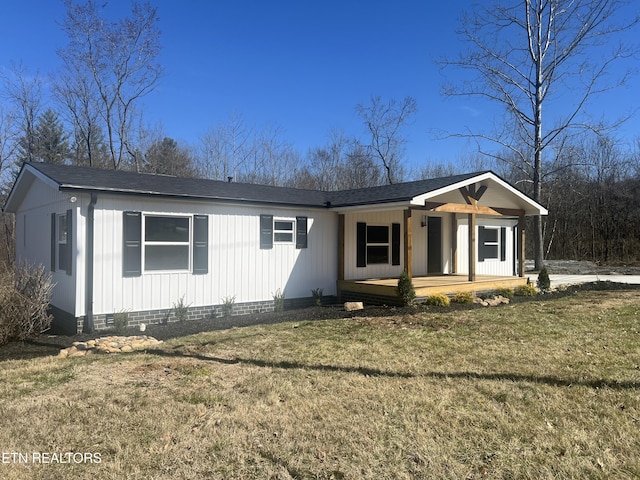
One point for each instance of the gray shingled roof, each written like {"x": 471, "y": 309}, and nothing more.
{"x": 397, "y": 192}
{"x": 119, "y": 181}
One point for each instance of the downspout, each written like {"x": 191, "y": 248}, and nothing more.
{"x": 88, "y": 277}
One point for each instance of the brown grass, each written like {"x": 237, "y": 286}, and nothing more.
{"x": 546, "y": 389}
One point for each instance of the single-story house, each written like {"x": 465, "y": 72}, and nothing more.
{"x": 123, "y": 241}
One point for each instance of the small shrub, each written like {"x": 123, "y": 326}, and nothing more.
{"x": 317, "y": 296}
{"x": 24, "y": 300}
{"x": 121, "y": 321}
{"x": 180, "y": 310}
{"x": 438, "y": 300}
{"x": 278, "y": 301}
{"x": 227, "y": 305}
{"x": 463, "y": 297}
{"x": 527, "y": 290}
{"x": 544, "y": 283}
{"x": 405, "y": 289}
{"x": 506, "y": 292}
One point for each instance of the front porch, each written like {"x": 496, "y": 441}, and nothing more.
{"x": 384, "y": 290}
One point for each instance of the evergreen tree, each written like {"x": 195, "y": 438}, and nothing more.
{"x": 49, "y": 143}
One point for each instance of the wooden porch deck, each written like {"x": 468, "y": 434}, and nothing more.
{"x": 425, "y": 286}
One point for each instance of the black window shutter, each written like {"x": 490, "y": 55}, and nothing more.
{"x": 200, "y": 244}
{"x": 132, "y": 244}
{"x": 503, "y": 244}
{"x": 361, "y": 244}
{"x": 481, "y": 240}
{"x": 69, "y": 265}
{"x": 54, "y": 242}
{"x": 395, "y": 244}
{"x": 301, "y": 232}
{"x": 266, "y": 232}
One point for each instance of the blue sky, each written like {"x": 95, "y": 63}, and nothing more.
{"x": 300, "y": 65}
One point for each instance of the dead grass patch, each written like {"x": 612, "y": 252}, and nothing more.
{"x": 533, "y": 390}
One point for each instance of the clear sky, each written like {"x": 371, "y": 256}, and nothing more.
{"x": 300, "y": 65}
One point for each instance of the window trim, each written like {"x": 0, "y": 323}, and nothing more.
{"x": 499, "y": 243}
{"x": 386, "y": 244}
{"x": 144, "y": 243}
{"x": 62, "y": 250}
{"x": 281, "y": 231}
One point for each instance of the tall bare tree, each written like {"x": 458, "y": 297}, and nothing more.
{"x": 385, "y": 121}
{"x": 115, "y": 64}
{"x": 529, "y": 53}
{"x": 23, "y": 90}
{"x": 225, "y": 150}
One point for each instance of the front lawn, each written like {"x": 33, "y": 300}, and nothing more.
{"x": 542, "y": 389}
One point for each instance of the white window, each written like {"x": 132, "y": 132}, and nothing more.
{"x": 492, "y": 243}
{"x": 377, "y": 244}
{"x": 283, "y": 230}
{"x": 167, "y": 243}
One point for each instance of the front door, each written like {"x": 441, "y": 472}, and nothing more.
{"x": 434, "y": 245}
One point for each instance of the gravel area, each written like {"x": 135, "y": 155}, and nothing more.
{"x": 583, "y": 267}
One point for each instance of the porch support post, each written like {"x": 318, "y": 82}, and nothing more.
{"x": 454, "y": 243}
{"x": 408, "y": 256}
{"x": 472, "y": 247}
{"x": 340, "y": 254}
{"x": 521, "y": 244}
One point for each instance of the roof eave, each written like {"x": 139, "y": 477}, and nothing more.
{"x": 119, "y": 191}
{"x": 23, "y": 182}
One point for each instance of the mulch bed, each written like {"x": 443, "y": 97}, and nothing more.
{"x": 46, "y": 344}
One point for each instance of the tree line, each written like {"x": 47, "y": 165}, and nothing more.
{"x": 90, "y": 113}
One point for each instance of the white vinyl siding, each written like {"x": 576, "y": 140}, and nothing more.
{"x": 237, "y": 266}
{"x": 490, "y": 266}
{"x": 371, "y": 270}
{"x": 33, "y": 241}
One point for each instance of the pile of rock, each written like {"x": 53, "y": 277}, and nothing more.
{"x": 112, "y": 344}
{"x": 491, "y": 302}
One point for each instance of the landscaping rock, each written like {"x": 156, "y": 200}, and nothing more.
{"x": 109, "y": 345}
{"x": 491, "y": 302}
{"x": 353, "y": 306}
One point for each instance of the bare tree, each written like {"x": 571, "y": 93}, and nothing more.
{"x": 77, "y": 93}
{"x": 526, "y": 54}
{"x": 115, "y": 66}
{"x": 274, "y": 159}
{"x": 384, "y": 121}
{"x": 342, "y": 163}
{"x": 23, "y": 90}
{"x": 225, "y": 150}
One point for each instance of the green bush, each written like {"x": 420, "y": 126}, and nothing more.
{"x": 438, "y": 300}
{"x": 506, "y": 292}
{"x": 527, "y": 290}
{"x": 405, "y": 289}
{"x": 544, "y": 283}
{"x": 463, "y": 297}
